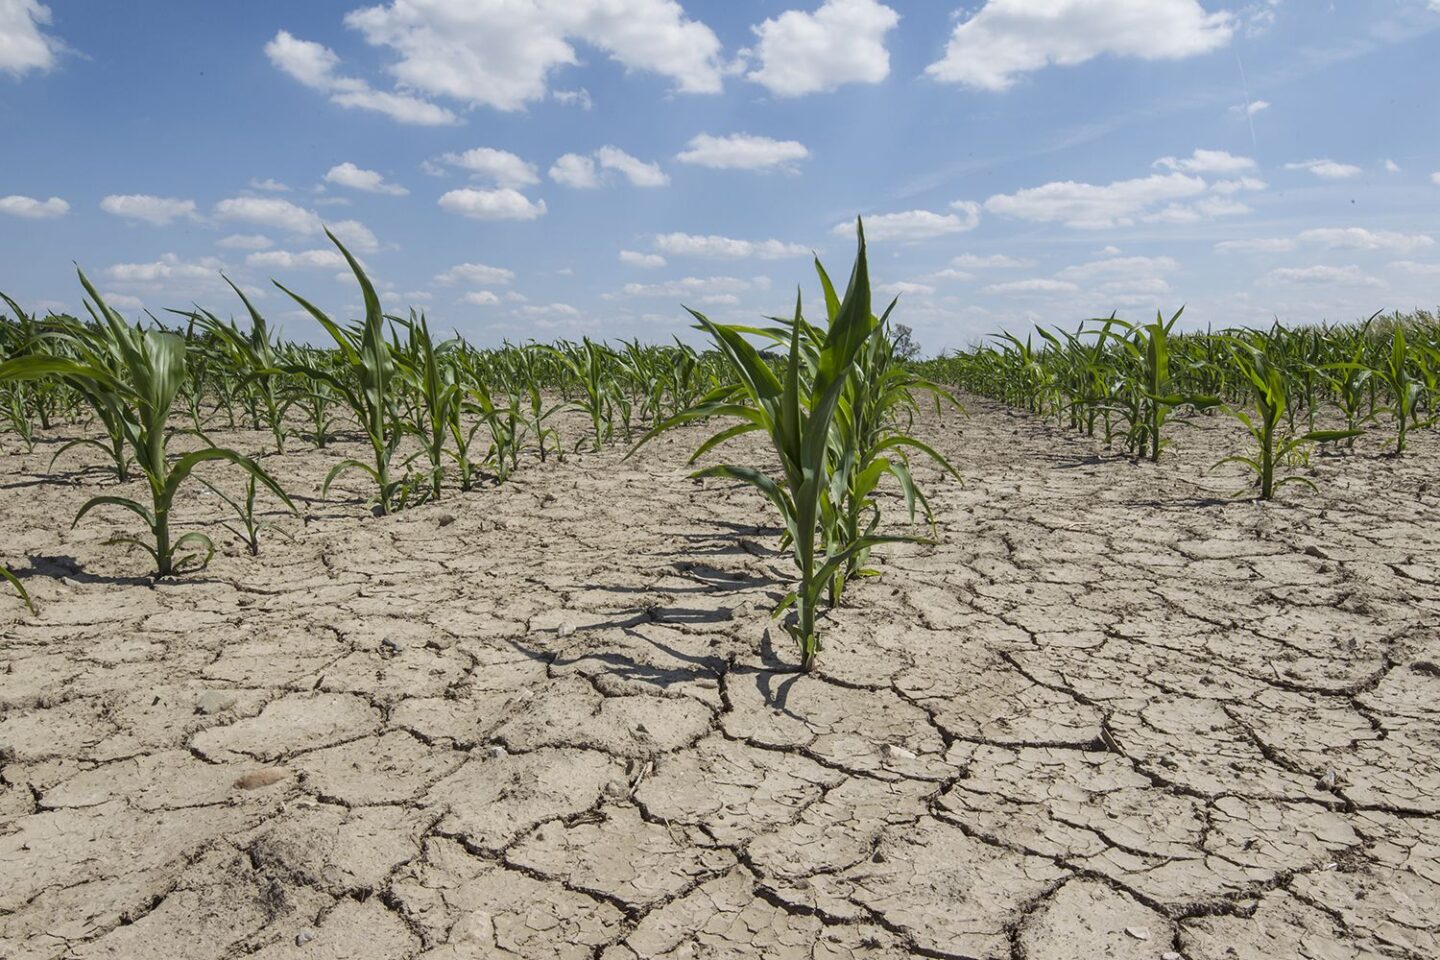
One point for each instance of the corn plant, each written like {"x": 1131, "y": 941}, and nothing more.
{"x": 1269, "y": 394}
{"x": 249, "y": 525}
{"x": 153, "y": 367}
{"x": 366, "y": 356}
{"x": 1405, "y": 391}
{"x": 796, "y": 411}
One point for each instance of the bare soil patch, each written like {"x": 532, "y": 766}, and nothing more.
{"x": 1114, "y": 714}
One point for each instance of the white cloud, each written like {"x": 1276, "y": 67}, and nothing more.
{"x": 1252, "y": 108}
{"x": 1091, "y": 206}
{"x": 550, "y": 310}
{"x": 1037, "y": 285}
{"x": 356, "y": 236}
{"x": 245, "y": 241}
{"x": 574, "y": 170}
{"x": 349, "y": 175}
{"x": 502, "y": 204}
{"x": 476, "y": 273}
{"x": 304, "y": 260}
{"x": 1358, "y": 238}
{"x": 1129, "y": 268}
{"x": 32, "y": 209}
{"x": 157, "y": 210}
{"x": 903, "y": 287}
{"x": 1257, "y": 245}
{"x": 1326, "y": 169}
{"x": 1348, "y": 275}
{"x": 315, "y": 66}
{"x": 914, "y": 225}
{"x": 1435, "y": 178}
{"x": 841, "y": 42}
{"x": 1390, "y": 165}
{"x": 1227, "y": 187}
{"x": 1006, "y": 38}
{"x": 742, "y": 151}
{"x": 646, "y": 261}
{"x": 122, "y": 301}
{"x": 578, "y": 98}
{"x": 688, "y": 287}
{"x": 481, "y": 298}
{"x": 269, "y": 185}
{"x": 501, "y": 166}
{"x": 995, "y": 261}
{"x": 270, "y": 212}
{"x": 638, "y": 172}
{"x": 587, "y": 172}
{"x": 1207, "y": 161}
{"x": 23, "y": 45}
{"x": 168, "y": 267}
{"x": 1416, "y": 269}
{"x": 501, "y": 54}
{"x": 712, "y": 247}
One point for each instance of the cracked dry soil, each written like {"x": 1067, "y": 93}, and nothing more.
{"x": 1114, "y": 714}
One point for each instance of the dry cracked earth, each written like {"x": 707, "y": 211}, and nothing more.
{"x": 1114, "y": 714}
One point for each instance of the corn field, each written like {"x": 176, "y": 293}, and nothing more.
{"x": 441, "y": 418}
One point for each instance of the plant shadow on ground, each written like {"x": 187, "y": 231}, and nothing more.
{"x": 56, "y": 567}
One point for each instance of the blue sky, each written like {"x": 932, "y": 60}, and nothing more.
{"x": 553, "y": 168}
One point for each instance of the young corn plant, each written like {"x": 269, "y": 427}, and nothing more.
{"x": 153, "y": 368}
{"x": 368, "y": 388}
{"x": 795, "y": 410}
{"x": 247, "y": 525}
{"x": 1405, "y": 391}
{"x": 1269, "y": 395}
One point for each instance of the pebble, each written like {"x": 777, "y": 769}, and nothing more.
{"x": 566, "y": 629}
{"x": 261, "y": 778}
{"x": 1171, "y": 955}
{"x": 1139, "y": 933}
{"x": 304, "y": 937}
{"x": 214, "y": 701}
{"x": 895, "y": 753}
{"x": 496, "y": 752}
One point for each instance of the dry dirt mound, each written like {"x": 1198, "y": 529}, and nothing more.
{"x": 1114, "y": 714}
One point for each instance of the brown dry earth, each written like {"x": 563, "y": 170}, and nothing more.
{"x": 1114, "y": 714}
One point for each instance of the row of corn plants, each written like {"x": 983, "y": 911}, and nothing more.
{"x": 1291, "y": 389}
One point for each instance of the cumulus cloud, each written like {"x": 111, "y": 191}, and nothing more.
{"x": 1207, "y": 161}
{"x": 269, "y": 185}
{"x": 1251, "y": 109}
{"x": 841, "y": 42}
{"x": 23, "y": 45}
{"x": 1322, "y": 275}
{"x": 476, "y": 273}
{"x": 1093, "y": 206}
{"x": 502, "y": 167}
{"x": 1326, "y": 169}
{"x": 481, "y": 298}
{"x": 502, "y": 204}
{"x": 639, "y": 173}
{"x": 1358, "y": 238}
{"x": 689, "y": 287}
{"x": 904, "y": 287}
{"x": 349, "y": 175}
{"x": 1256, "y": 245}
{"x": 1130, "y": 268}
{"x": 245, "y": 241}
{"x": 576, "y": 171}
{"x": 159, "y": 211}
{"x": 322, "y": 259}
{"x": 915, "y": 225}
{"x": 994, "y": 261}
{"x": 316, "y": 66}
{"x": 1036, "y": 285}
{"x": 269, "y": 212}
{"x": 502, "y": 54}
{"x": 646, "y": 261}
{"x": 169, "y": 267}
{"x": 32, "y": 209}
{"x": 713, "y": 247}
{"x": 742, "y": 151}
{"x": 1007, "y": 38}
{"x": 582, "y": 172}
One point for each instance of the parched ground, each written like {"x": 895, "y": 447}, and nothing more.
{"x": 1115, "y": 714}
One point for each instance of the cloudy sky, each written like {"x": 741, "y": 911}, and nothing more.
{"x": 552, "y": 168}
